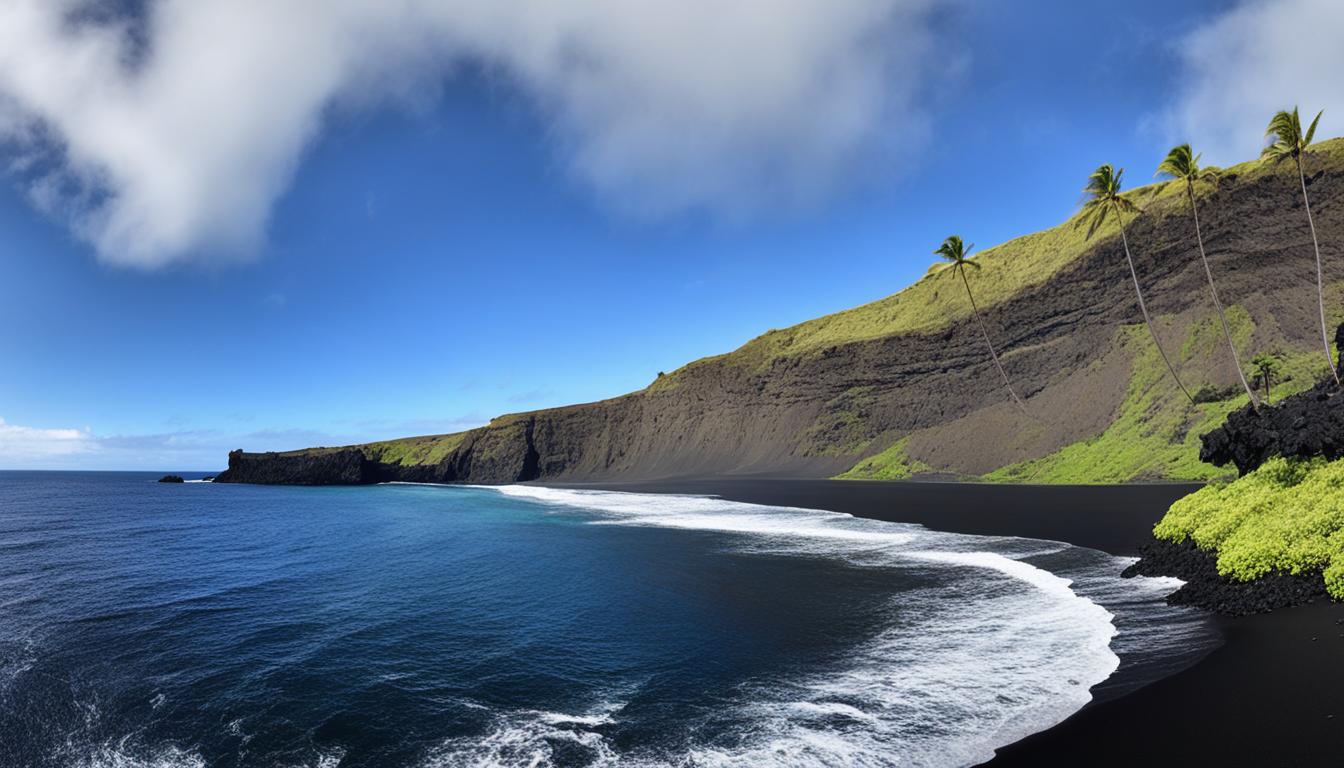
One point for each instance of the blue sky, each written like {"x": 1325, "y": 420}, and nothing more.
{"x": 436, "y": 259}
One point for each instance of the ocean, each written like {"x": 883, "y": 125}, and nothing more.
{"x": 146, "y": 624}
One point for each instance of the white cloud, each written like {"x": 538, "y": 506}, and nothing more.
{"x": 171, "y": 137}
{"x": 1251, "y": 61}
{"x": 23, "y": 444}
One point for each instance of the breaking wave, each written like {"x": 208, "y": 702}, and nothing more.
{"x": 1011, "y": 641}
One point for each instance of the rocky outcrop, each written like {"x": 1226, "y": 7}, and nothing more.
{"x": 1302, "y": 426}
{"x": 337, "y": 466}
{"x": 172, "y": 479}
{"x": 502, "y": 453}
{"x": 1205, "y": 588}
{"x": 818, "y": 411}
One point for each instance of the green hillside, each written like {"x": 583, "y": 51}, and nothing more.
{"x": 1006, "y": 270}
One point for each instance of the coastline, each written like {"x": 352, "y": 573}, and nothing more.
{"x": 1272, "y": 694}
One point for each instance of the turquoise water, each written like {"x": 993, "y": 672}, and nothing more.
{"x": 164, "y": 625}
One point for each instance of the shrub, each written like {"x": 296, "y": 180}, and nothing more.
{"x": 1285, "y": 517}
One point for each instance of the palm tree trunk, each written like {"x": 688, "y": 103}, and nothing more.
{"x": 962, "y": 271}
{"x": 1144, "y": 307}
{"x": 1320, "y": 278}
{"x": 1227, "y": 332}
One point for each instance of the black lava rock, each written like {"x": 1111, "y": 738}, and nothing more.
{"x": 1204, "y": 588}
{"x": 171, "y": 479}
{"x": 1304, "y": 425}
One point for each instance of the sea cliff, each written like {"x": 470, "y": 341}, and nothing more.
{"x": 903, "y": 385}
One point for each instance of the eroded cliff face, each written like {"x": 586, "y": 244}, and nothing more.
{"x": 818, "y": 412}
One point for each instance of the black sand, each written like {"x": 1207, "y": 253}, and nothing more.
{"x": 1272, "y": 695}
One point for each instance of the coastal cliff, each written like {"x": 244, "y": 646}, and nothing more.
{"x": 903, "y": 386}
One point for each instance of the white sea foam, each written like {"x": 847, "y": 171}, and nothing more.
{"x": 1015, "y": 656}
{"x": 123, "y": 755}
{"x": 524, "y": 739}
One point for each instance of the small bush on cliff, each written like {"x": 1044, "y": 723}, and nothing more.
{"x": 1285, "y": 517}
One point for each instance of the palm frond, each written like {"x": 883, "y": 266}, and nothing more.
{"x": 953, "y": 249}
{"x": 1104, "y": 183}
{"x": 1094, "y": 215}
{"x": 1285, "y": 128}
{"x": 1180, "y": 163}
{"x": 1311, "y": 132}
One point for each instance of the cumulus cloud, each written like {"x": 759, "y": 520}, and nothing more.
{"x": 169, "y": 136}
{"x": 1251, "y": 61}
{"x": 20, "y": 444}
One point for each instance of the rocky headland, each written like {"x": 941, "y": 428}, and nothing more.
{"x": 1301, "y": 427}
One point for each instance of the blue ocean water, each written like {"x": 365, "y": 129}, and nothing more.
{"x": 225, "y": 625}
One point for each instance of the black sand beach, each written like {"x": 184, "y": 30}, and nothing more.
{"x": 1271, "y": 695}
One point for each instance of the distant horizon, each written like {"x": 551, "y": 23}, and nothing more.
{"x": 441, "y": 220}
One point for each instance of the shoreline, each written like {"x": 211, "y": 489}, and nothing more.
{"x": 1271, "y": 694}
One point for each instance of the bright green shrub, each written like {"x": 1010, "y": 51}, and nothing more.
{"x": 1286, "y": 517}
{"x": 1334, "y": 579}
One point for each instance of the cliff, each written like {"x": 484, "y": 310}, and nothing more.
{"x": 903, "y": 385}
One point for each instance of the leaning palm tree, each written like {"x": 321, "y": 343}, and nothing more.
{"x": 1182, "y": 164}
{"x": 1103, "y": 200}
{"x": 1289, "y": 141}
{"x": 956, "y": 256}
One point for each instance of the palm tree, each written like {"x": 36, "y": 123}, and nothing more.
{"x": 1103, "y": 199}
{"x": 1265, "y": 368}
{"x": 956, "y": 256}
{"x": 1182, "y": 164}
{"x": 1289, "y": 141}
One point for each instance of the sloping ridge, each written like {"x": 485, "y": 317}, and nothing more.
{"x": 906, "y": 381}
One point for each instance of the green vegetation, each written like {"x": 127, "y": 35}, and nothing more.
{"x": 957, "y": 256}
{"x": 891, "y": 464}
{"x": 1289, "y": 141}
{"x": 1285, "y": 517}
{"x": 1182, "y": 164}
{"x": 1154, "y": 436}
{"x": 1265, "y": 368}
{"x": 413, "y": 451}
{"x": 1156, "y": 433}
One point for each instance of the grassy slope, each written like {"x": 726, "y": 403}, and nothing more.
{"x": 1156, "y": 434}
{"x": 891, "y": 464}
{"x": 1287, "y": 517}
{"x": 1139, "y": 444}
{"x": 1006, "y": 270}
